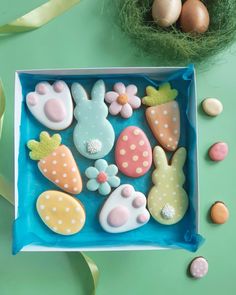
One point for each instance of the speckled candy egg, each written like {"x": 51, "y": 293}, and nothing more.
{"x": 61, "y": 212}
{"x": 133, "y": 152}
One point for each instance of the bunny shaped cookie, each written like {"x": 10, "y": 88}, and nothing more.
{"x": 167, "y": 200}
{"x": 93, "y": 135}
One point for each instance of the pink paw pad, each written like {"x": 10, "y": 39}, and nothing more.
{"x": 124, "y": 210}
{"x": 143, "y": 218}
{"x": 127, "y": 191}
{"x": 218, "y": 151}
{"x": 58, "y": 86}
{"x": 118, "y": 216}
{"x": 139, "y": 201}
{"x": 32, "y": 100}
{"x": 41, "y": 88}
{"x": 55, "y": 110}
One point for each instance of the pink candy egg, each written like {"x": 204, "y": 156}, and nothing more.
{"x": 218, "y": 151}
{"x": 133, "y": 152}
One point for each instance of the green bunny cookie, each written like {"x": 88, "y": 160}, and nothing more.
{"x": 167, "y": 200}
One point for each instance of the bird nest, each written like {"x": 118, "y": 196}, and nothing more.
{"x": 171, "y": 44}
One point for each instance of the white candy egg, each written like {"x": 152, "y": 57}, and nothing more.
{"x": 166, "y": 12}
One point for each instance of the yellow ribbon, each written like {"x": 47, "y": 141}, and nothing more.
{"x": 31, "y": 21}
{"x": 38, "y": 17}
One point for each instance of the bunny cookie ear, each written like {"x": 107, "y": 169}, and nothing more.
{"x": 159, "y": 157}
{"x": 179, "y": 158}
{"x": 78, "y": 92}
{"x": 98, "y": 91}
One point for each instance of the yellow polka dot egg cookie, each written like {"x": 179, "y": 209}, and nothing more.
{"x": 61, "y": 212}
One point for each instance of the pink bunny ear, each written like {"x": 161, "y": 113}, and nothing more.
{"x": 159, "y": 157}
{"x": 179, "y": 158}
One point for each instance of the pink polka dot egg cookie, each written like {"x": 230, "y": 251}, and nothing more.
{"x": 124, "y": 210}
{"x": 133, "y": 153}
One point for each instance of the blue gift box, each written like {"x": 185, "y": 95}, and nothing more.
{"x": 31, "y": 234}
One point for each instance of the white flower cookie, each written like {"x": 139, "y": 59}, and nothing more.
{"x": 51, "y": 105}
{"x": 167, "y": 200}
{"x": 124, "y": 210}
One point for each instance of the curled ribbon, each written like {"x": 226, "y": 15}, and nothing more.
{"x": 38, "y": 17}
{"x": 31, "y": 21}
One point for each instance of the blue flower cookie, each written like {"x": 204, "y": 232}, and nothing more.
{"x": 102, "y": 177}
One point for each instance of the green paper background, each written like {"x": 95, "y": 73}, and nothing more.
{"x": 87, "y": 36}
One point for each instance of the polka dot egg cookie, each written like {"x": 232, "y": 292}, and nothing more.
{"x": 61, "y": 212}
{"x": 133, "y": 152}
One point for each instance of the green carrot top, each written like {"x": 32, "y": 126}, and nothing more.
{"x": 45, "y": 146}
{"x": 162, "y": 95}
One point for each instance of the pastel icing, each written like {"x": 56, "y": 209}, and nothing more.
{"x": 133, "y": 152}
{"x": 60, "y": 212}
{"x": 198, "y": 267}
{"x": 93, "y": 135}
{"x": 167, "y": 200}
{"x": 102, "y": 177}
{"x": 163, "y": 115}
{"x": 124, "y": 210}
{"x": 51, "y": 105}
{"x": 123, "y": 100}
{"x": 56, "y": 162}
{"x": 218, "y": 151}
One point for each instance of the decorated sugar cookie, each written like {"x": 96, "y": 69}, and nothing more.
{"x": 163, "y": 115}
{"x": 123, "y": 100}
{"x": 51, "y": 105}
{"x": 93, "y": 135}
{"x": 62, "y": 213}
{"x": 133, "y": 152}
{"x": 102, "y": 177}
{"x": 56, "y": 162}
{"x": 124, "y": 210}
{"x": 167, "y": 200}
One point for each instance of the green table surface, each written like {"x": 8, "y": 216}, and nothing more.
{"x": 87, "y": 36}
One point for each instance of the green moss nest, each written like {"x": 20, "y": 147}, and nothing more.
{"x": 172, "y": 45}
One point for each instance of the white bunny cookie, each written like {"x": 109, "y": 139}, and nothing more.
{"x": 51, "y": 105}
{"x": 93, "y": 135}
{"x": 167, "y": 200}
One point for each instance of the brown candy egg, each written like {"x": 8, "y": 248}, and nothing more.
{"x": 194, "y": 17}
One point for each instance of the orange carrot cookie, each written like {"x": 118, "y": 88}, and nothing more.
{"x": 61, "y": 212}
{"x": 56, "y": 162}
{"x": 163, "y": 115}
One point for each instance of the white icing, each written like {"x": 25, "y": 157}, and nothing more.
{"x": 94, "y": 146}
{"x": 168, "y": 212}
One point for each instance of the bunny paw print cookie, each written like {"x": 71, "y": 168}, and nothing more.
{"x": 60, "y": 212}
{"x": 167, "y": 200}
{"x": 163, "y": 115}
{"x": 93, "y": 135}
{"x": 124, "y": 210}
{"x": 51, "y": 105}
{"x": 56, "y": 162}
